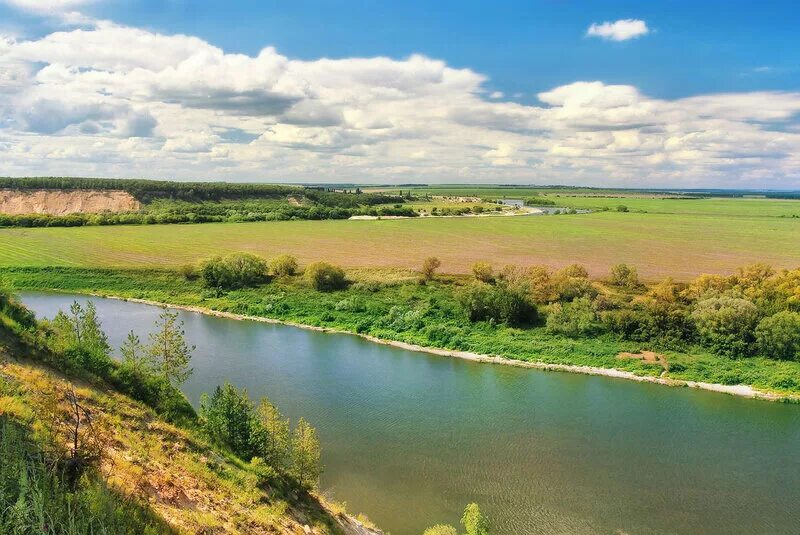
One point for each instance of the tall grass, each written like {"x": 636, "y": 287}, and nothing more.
{"x": 34, "y": 498}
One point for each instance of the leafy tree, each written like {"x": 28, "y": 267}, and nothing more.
{"x": 168, "y": 349}
{"x": 474, "y": 522}
{"x": 778, "y": 336}
{"x": 429, "y": 267}
{"x": 325, "y": 277}
{"x": 500, "y": 303}
{"x": 306, "y": 466}
{"x": 273, "y": 439}
{"x": 727, "y": 325}
{"x": 236, "y": 270}
{"x": 625, "y": 276}
{"x": 283, "y": 265}
{"x": 79, "y": 336}
{"x": 483, "y": 271}
{"x": 227, "y": 416}
{"x": 577, "y": 318}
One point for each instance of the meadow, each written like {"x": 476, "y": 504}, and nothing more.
{"x": 671, "y": 242}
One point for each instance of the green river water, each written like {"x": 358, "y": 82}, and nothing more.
{"x": 409, "y": 438}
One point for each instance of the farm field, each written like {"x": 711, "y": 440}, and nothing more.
{"x": 676, "y": 245}
{"x": 633, "y": 200}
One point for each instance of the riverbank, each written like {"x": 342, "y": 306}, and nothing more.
{"x": 390, "y": 306}
{"x": 741, "y": 390}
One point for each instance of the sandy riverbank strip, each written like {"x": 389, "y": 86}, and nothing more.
{"x": 734, "y": 390}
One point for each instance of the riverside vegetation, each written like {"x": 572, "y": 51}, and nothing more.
{"x": 737, "y": 329}
{"x": 64, "y": 422}
{"x": 57, "y": 424}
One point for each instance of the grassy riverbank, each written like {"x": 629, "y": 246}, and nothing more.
{"x": 391, "y": 305}
{"x": 79, "y": 456}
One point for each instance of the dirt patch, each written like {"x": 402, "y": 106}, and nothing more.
{"x": 61, "y": 202}
{"x": 648, "y": 357}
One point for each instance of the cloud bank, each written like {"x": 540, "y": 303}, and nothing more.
{"x": 113, "y": 100}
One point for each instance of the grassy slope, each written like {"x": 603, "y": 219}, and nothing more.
{"x": 424, "y": 315}
{"x": 660, "y": 245}
{"x": 186, "y": 482}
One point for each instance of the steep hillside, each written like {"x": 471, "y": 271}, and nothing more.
{"x": 173, "y": 471}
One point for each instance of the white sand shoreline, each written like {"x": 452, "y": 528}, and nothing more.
{"x": 734, "y": 390}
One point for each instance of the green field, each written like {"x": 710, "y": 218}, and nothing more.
{"x": 659, "y": 244}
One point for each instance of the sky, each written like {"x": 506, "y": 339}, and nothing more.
{"x": 633, "y": 94}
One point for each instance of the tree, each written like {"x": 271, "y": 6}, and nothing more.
{"x": 134, "y": 356}
{"x": 306, "y": 466}
{"x": 483, "y": 271}
{"x": 625, "y": 276}
{"x": 503, "y": 302}
{"x": 474, "y": 522}
{"x": 79, "y": 336}
{"x": 227, "y": 416}
{"x": 236, "y": 270}
{"x": 168, "y": 349}
{"x": 429, "y": 267}
{"x": 727, "y": 325}
{"x": 778, "y": 336}
{"x": 283, "y": 265}
{"x": 274, "y": 440}
{"x": 577, "y": 318}
{"x": 325, "y": 277}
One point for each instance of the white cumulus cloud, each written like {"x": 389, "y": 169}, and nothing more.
{"x": 114, "y": 100}
{"x": 620, "y": 30}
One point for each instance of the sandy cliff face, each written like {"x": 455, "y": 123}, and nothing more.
{"x": 61, "y": 202}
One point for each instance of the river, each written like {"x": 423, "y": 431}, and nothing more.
{"x": 410, "y": 438}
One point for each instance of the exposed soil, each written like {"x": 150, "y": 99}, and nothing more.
{"x": 61, "y": 202}
{"x": 648, "y": 357}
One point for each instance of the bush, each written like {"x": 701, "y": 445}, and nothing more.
{"x": 483, "y": 271}
{"x": 727, "y": 325}
{"x": 283, "y": 266}
{"x": 429, "y": 267}
{"x": 625, "y": 276}
{"x": 502, "y": 303}
{"x": 234, "y": 271}
{"x": 576, "y": 318}
{"x": 188, "y": 272}
{"x": 622, "y": 208}
{"x": 325, "y": 277}
{"x": 778, "y": 336}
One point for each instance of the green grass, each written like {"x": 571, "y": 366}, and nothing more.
{"x": 680, "y": 246}
{"x": 406, "y": 311}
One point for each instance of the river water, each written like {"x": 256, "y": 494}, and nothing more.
{"x": 410, "y": 438}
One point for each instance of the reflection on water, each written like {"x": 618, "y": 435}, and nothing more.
{"x": 410, "y": 438}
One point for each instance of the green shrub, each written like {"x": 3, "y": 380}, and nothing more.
{"x": 189, "y": 272}
{"x": 234, "y": 271}
{"x": 483, "y": 271}
{"x": 778, "y": 336}
{"x": 429, "y": 267}
{"x": 325, "y": 277}
{"x": 500, "y": 303}
{"x": 283, "y": 266}
{"x": 576, "y": 318}
{"x": 625, "y": 276}
{"x": 727, "y": 325}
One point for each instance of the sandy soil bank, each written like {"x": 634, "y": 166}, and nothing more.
{"x": 63, "y": 202}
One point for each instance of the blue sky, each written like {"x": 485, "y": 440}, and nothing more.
{"x": 705, "y": 94}
{"x": 523, "y": 46}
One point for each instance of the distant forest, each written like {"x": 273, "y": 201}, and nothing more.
{"x": 207, "y": 202}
